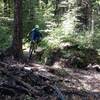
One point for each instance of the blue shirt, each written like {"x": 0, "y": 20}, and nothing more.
{"x": 35, "y": 35}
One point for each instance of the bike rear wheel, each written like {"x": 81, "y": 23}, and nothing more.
{"x": 33, "y": 47}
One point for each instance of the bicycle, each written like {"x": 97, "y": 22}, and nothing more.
{"x": 33, "y": 47}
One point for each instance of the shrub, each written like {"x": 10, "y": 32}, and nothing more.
{"x": 5, "y": 37}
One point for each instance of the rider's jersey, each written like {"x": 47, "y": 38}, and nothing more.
{"x": 35, "y": 35}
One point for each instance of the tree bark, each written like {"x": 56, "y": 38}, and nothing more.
{"x": 86, "y": 11}
{"x": 5, "y": 7}
{"x": 17, "y": 36}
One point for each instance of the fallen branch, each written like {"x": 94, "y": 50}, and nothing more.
{"x": 24, "y": 85}
{"x": 58, "y": 92}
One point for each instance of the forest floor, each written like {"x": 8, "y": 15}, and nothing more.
{"x": 32, "y": 81}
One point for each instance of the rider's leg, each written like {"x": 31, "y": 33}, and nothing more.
{"x": 33, "y": 47}
{"x": 36, "y": 44}
{"x": 31, "y": 50}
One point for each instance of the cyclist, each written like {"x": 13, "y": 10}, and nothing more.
{"x": 35, "y": 37}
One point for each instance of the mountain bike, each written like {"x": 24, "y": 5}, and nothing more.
{"x": 33, "y": 47}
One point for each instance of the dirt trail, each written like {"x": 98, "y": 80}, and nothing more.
{"x": 73, "y": 84}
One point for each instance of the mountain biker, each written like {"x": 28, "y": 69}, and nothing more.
{"x": 35, "y": 37}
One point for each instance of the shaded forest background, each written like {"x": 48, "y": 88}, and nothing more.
{"x": 61, "y": 21}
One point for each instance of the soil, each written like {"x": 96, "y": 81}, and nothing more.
{"x": 32, "y": 81}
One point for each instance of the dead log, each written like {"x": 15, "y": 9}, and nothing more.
{"x": 7, "y": 91}
{"x": 32, "y": 91}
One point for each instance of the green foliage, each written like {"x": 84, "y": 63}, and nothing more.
{"x": 1, "y": 7}
{"x": 96, "y": 39}
{"x": 82, "y": 39}
{"x": 35, "y": 12}
{"x": 6, "y": 24}
{"x": 52, "y": 41}
{"x": 5, "y": 37}
{"x": 44, "y": 13}
{"x": 54, "y": 38}
{"x": 69, "y": 19}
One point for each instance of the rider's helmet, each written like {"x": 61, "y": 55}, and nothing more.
{"x": 37, "y": 26}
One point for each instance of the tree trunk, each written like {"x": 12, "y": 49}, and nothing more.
{"x": 5, "y": 7}
{"x": 92, "y": 23}
{"x": 17, "y": 36}
{"x": 86, "y": 13}
{"x": 9, "y": 8}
